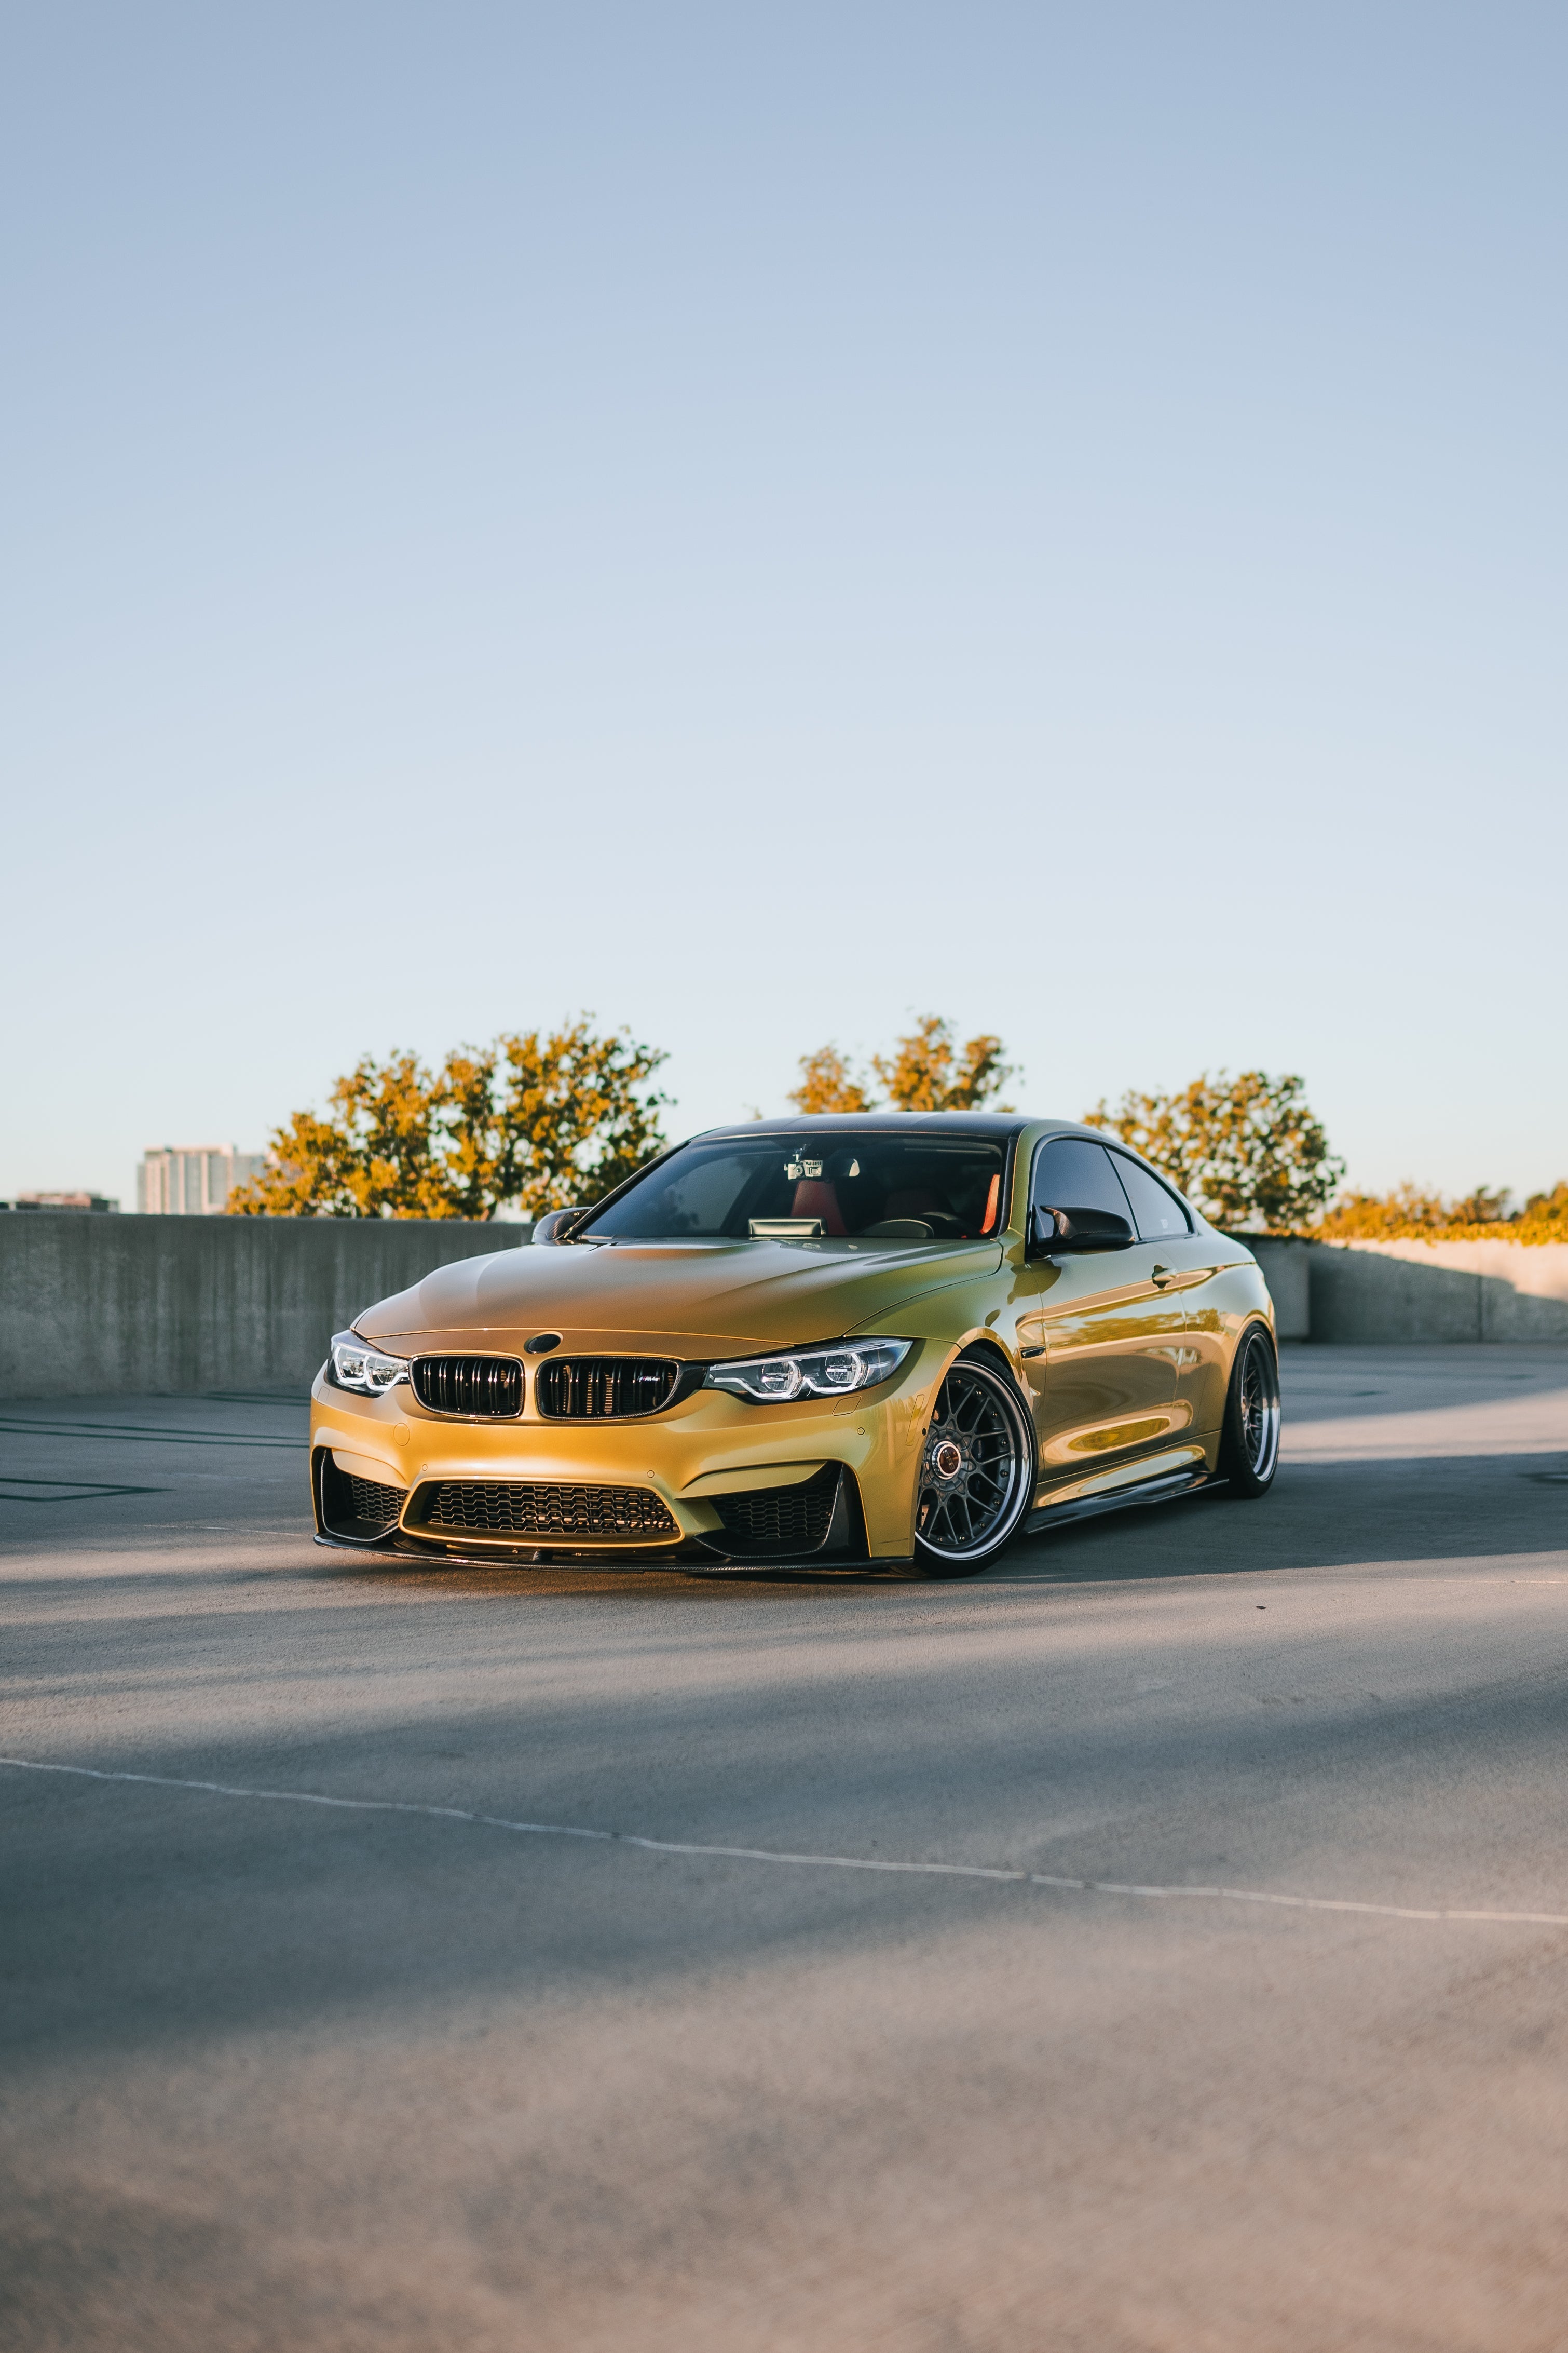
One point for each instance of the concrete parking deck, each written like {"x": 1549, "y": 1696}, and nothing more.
{"x": 422, "y": 2068}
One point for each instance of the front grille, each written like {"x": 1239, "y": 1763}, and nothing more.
{"x": 603, "y": 1388}
{"x": 470, "y": 1385}
{"x": 497, "y": 1507}
{"x": 782, "y": 1519}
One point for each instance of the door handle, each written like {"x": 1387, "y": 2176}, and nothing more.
{"x": 1162, "y": 1275}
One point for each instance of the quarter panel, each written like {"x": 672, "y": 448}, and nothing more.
{"x": 1217, "y": 1307}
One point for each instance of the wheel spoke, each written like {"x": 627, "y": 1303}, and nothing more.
{"x": 957, "y": 1514}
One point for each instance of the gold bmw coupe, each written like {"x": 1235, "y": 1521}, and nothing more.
{"x": 891, "y": 1338}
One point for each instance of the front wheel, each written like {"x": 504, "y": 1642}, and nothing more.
{"x": 977, "y": 1477}
{"x": 1249, "y": 1446}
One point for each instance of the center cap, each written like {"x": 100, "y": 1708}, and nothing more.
{"x": 947, "y": 1460}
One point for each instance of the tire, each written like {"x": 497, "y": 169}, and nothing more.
{"x": 1249, "y": 1441}
{"x": 977, "y": 1474}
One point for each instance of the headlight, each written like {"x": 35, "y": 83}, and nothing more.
{"x": 810, "y": 1372}
{"x": 353, "y": 1364}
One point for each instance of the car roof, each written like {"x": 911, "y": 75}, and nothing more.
{"x": 997, "y": 1123}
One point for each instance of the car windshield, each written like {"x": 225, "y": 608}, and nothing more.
{"x": 890, "y": 1187}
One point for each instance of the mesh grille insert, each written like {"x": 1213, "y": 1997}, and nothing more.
{"x": 497, "y": 1507}
{"x": 602, "y": 1388}
{"x": 782, "y": 1519}
{"x": 470, "y": 1385}
{"x": 374, "y": 1502}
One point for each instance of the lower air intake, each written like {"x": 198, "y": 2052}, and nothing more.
{"x": 781, "y": 1519}
{"x": 360, "y": 1508}
{"x": 546, "y": 1513}
{"x": 375, "y": 1503}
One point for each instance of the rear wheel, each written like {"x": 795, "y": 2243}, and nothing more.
{"x": 977, "y": 1478}
{"x": 1249, "y": 1446}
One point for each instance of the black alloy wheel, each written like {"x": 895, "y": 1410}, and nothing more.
{"x": 1249, "y": 1447}
{"x": 977, "y": 1478}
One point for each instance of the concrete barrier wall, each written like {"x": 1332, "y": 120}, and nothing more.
{"x": 96, "y": 1306}
{"x": 1417, "y": 1294}
{"x": 1374, "y": 1292}
{"x": 1286, "y": 1270}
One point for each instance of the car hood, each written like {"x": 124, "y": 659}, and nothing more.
{"x": 683, "y": 1299}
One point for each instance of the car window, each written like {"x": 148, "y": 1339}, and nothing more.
{"x": 1070, "y": 1173}
{"x": 699, "y": 1194}
{"x": 892, "y": 1187}
{"x": 1156, "y": 1212}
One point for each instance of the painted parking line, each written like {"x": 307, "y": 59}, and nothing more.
{"x": 139, "y": 1433}
{"x": 1147, "y": 1891}
{"x": 64, "y": 1490}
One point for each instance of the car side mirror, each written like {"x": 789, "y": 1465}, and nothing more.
{"x": 1055, "y": 1232}
{"x": 555, "y": 1226}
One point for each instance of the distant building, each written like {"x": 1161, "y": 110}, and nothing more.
{"x": 60, "y": 1201}
{"x": 192, "y": 1180}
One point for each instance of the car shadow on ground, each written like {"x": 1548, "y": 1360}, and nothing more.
{"x": 1317, "y": 1515}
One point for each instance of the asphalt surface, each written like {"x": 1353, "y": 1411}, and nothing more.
{"x": 382, "y": 2076}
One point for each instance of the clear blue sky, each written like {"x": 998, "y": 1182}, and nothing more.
{"x": 761, "y": 521}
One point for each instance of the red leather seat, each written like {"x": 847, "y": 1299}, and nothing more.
{"x": 815, "y": 1198}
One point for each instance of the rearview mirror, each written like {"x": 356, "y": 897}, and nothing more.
{"x": 1053, "y": 1232}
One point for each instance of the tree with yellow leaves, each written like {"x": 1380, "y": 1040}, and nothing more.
{"x": 1411, "y": 1213}
{"x": 537, "y": 1121}
{"x": 1247, "y": 1150}
{"x": 827, "y": 1084}
{"x": 925, "y": 1071}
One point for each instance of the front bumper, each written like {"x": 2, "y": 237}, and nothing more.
{"x": 704, "y": 1470}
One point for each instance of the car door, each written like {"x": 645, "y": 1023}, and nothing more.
{"x": 1112, "y": 1331}
{"x": 1188, "y": 1262}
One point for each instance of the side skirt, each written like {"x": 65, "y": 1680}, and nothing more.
{"x": 1090, "y": 1507}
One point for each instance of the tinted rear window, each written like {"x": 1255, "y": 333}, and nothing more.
{"x": 1157, "y": 1213}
